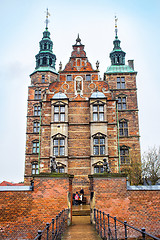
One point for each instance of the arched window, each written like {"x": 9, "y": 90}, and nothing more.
{"x": 59, "y": 146}
{"x": 99, "y": 144}
{"x": 37, "y": 94}
{"x": 124, "y": 155}
{"x": 123, "y": 127}
{"x": 35, "y": 168}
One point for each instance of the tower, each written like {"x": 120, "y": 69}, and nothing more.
{"x": 121, "y": 79}
{"x": 43, "y": 75}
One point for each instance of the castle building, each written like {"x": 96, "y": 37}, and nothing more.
{"x": 76, "y": 119}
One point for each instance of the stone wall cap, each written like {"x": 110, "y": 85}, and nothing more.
{"x": 53, "y": 175}
{"x": 108, "y": 175}
{"x": 15, "y": 188}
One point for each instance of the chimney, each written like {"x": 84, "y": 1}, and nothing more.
{"x": 131, "y": 63}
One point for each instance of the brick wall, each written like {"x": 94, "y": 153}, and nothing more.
{"x": 139, "y": 208}
{"x": 22, "y": 214}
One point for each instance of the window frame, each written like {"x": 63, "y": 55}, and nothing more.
{"x": 35, "y": 170}
{"x": 99, "y": 148}
{"x": 68, "y": 77}
{"x": 59, "y": 113}
{"x": 37, "y": 110}
{"x": 88, "y": 76}
{"x": 123, "y": 130}
{"x": 37, "y": 94}
{"x": 43, "y": 78}
{"x": 98, "y": 112}
{"x": 122, "y": 103}
{"x": 35, "y": 147}
{"x": 59, "y": 146}
{"x": 121, "y": 84}
{"x": 36, "y": 127}
{"x": 124, "y": 155}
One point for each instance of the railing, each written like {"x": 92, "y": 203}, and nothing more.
{"x": 55, "y": 229}
{"x": 111, "y": 228}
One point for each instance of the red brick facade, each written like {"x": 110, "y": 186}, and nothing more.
{"x": 79, "y": 90}
{"x": 23, "y": 213}
{"x": 139, "y": 208}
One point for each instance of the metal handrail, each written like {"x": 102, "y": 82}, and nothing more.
{"x": 57, "y": 225}
{"x": 100, "y": 227}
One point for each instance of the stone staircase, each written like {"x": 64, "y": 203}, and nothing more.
{"x": 81, "y": 210}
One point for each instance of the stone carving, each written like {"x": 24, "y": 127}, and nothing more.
{"x": 53, "y": 164}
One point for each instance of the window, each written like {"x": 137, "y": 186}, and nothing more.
{"x": 124, "y": 154}
{"x": 37, "y": 94}
{"x": 35, "y": 147}
{"x": 120, "y": 82}
{"x": 36, "y": 126}
{"x": 58, "y": 146}
{"x": 43, "y": 78}
{"x": 59, "y": 113}
{"x": 37, "y": 110}
{"x": 98, "y": 169}
{"x": 99, "y": 145}
{"x": 69, "y": 77}
{"x": 88, "y": 77}
{"x": 60, "y": 169}
{"x": 98, "y": 112}
{"x": 35, "y": 168}
{"x": 121, "y": 103}
{"x": 123, "y": 128}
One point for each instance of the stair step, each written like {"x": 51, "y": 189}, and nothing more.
{"x": 81, "y": 213}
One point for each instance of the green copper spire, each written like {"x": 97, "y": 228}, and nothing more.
{"x": 117, "y": 55}
{"x": 45, "y": 59}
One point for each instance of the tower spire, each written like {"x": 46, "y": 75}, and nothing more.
{"x": 47, "y": 20}
{"x": 116, "y": 29}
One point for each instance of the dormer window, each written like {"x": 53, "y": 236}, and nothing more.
{"x": 98, "y": 112}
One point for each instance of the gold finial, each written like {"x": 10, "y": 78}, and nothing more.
{"x": 116, "y": 30}
{"x": 47, "y": 21}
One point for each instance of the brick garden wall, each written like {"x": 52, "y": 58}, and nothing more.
{"x": 22, "y": 214}
{"x": 139, "y": 208}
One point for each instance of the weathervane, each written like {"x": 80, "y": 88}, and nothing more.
{"x": 47, "y": 21}
{"x": 116, "y": 30}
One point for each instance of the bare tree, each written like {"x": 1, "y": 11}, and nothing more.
{"x": 151, "y": 165}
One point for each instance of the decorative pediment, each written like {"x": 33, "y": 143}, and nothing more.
{"x": 59, "y": 164}
{"x": 99, "y": 163}
{"x": 99, "y": 134}
{"x": 98, "y": 102}
{"x": 58, "y": 135}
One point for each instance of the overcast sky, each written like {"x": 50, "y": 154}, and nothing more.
{"x": 22, "y": 24}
